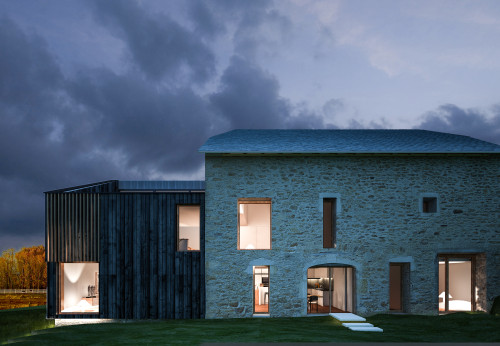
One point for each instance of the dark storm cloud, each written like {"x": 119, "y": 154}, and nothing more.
{"x": 249, "y": 98}
{"x": 153, "y": 128}
{"x": 469, "y": 122}
{"x": 160, "y": 46}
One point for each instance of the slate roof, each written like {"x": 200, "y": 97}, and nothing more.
{"x": 344, "y": 142}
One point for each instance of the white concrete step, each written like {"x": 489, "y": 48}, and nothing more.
{"x": 357, "y": 324}
{"x": 366, "y": 329}
{"x": 347, "y": 317}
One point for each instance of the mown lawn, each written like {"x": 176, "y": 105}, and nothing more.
{"x": 21, "y": 300}
{"x": 20, "y": 322}
{"x": 459, "y": 327}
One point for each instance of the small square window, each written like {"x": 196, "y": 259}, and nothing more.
{"x": 429, "y": 204}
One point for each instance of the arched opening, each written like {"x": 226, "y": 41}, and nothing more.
{"x": 330, "y": 288}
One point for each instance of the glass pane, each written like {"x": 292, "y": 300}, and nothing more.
{"x": 255, "y": 226}
{"x": 189, "y": 228}
{"x": 261, "y": 290}
{"x": 460, "y": 285}
{"x": 80, "y": 288}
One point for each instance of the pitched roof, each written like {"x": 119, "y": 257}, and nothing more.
{"x": 344, "y": 142}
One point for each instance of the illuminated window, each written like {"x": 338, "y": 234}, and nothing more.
{"x": 188, "y": 228}
{"x": 79, "y": 288}
{"x": 254, "y": 224}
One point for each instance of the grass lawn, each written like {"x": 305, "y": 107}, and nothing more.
{"x": 459, "y": 327}
{"x": 21, "y": 300}
{"x": 20, "y": 322}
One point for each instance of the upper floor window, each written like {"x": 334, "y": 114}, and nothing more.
{"x": 329, "y": 222}
{"x": 429, "y": 203}
{"x": 254, "y": 224}
{"x": 188, "y": 228}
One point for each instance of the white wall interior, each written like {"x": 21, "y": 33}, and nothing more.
{"x": 460, "y": 281}
{"x": 189, "y": 228}
{"x": 339, "y": 288}
{"x": 255, "y": 226}
{"x": 77, "y": 278}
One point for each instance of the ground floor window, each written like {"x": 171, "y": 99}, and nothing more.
{"x": 330, "y": 288}
{"x": 456, "y": 283}
{"x": 261, "y": 289}
{"x": 79, "y": 288}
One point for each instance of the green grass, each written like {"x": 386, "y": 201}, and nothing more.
{"x": 22, "y": 321}
{"x": 459, "y": 327}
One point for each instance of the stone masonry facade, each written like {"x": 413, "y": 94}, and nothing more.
{"x": 379, "y": 221}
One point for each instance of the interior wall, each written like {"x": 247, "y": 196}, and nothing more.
{"x": 460, "y": 280}
{"x": 256, "y": 234}
{"x": 339, "y": 288}
{"x": 77, "y": 278}
{"x": 192, "y": 234}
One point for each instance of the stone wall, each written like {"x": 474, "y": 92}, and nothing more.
{"x": 379, "y": 221}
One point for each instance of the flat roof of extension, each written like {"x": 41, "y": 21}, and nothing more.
{"x": 345, "y": 142}
{"x": 139, "y": 186}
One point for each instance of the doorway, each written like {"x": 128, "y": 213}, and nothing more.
{"x": 399, "y": 286}
{"x": 330, "y": 288}
{"x": 261, "y": 290}
{"x": 456, "y": 283}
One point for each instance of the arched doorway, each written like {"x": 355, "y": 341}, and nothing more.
{"x": 330, "y": 288}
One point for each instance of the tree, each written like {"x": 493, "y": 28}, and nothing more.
{"x": 24, "y": 269}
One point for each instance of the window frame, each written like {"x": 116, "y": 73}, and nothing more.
{"x": 178, "y": 226}
{"x": 255, "y": 200}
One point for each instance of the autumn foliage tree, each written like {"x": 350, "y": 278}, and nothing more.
{"x": 24, "y": 269}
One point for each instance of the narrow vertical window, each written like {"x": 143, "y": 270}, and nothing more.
{"x": 329, "y": 222}
{"x": 254, "y": 224}
{"x": 188, "y": 228}
{"x": 261, "y": 290}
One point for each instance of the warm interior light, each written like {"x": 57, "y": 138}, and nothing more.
{"x": 242, "y": 209}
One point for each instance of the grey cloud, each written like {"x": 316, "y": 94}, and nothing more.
{"x": 158, "y": 45}
{"x": 469, "y": 122}
{"x": 249, "y": 98}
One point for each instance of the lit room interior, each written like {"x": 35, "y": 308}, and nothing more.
{"x": 189, "y": 228}
{"x": 254, "y": 226}
{"x": 329, "y": 289}
{"x": 80, "y": 288}
{"x": 261, "y": 296}
{"x": 460, "y": 283}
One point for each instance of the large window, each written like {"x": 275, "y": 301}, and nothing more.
{"x": 79, "y": 288}
{"x": 188, "y": 217}
{"x": 254, "y": 224}
{"x": 456, "y": 283}
{"x": 330, "y": 288}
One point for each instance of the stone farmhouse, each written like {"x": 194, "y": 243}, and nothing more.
{"x": 287, "y": 223}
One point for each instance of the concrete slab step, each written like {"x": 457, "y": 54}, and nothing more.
{"x": 366, "y": 329}
{"x": 347, "y": 317}
{"x": 357, "y": 324}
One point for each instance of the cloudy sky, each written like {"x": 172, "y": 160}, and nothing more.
{"x": 98, "y": 90}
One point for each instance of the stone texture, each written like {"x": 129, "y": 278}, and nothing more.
{"x": 379, "y": 221}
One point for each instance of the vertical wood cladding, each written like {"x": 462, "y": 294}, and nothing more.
{"x": 141, "y": 273}
{"x": 72, "y": 227}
